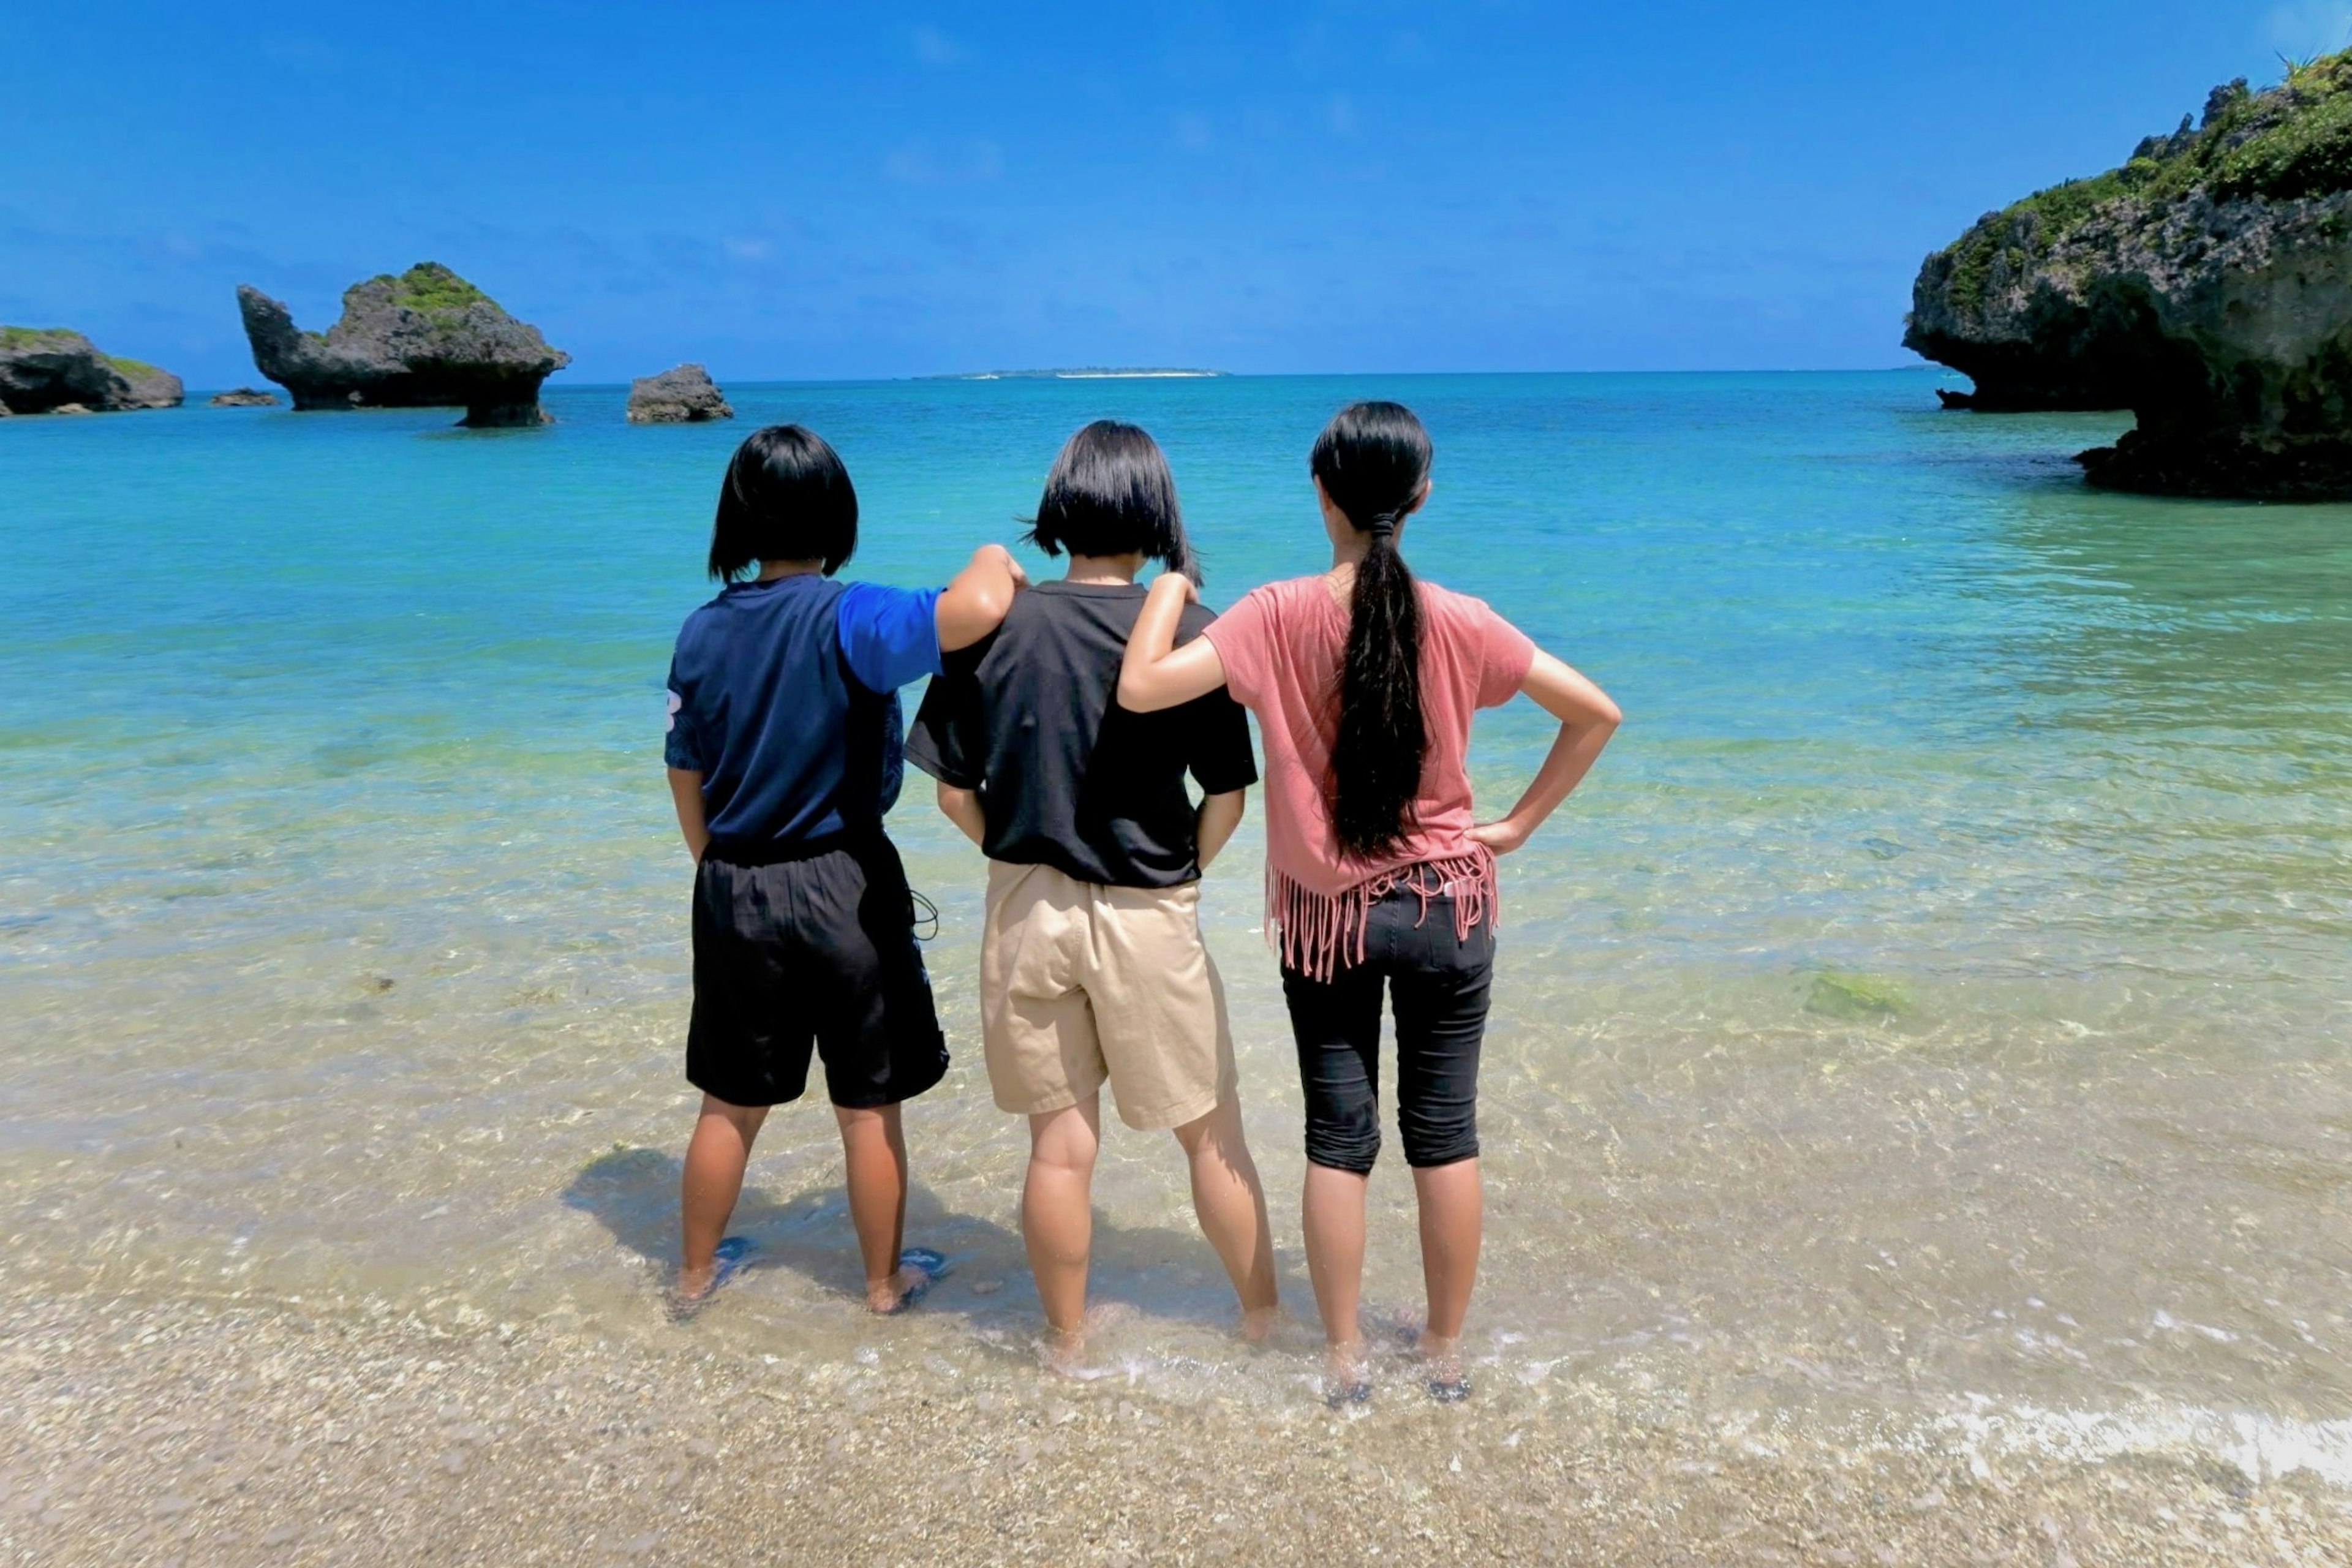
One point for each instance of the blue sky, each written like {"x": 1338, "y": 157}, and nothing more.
{"x": 788, "y": 192}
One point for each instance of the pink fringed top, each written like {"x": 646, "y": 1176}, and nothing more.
{"x": 1282, "y": 648}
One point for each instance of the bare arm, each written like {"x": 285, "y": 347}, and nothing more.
{"x": 962, "y": 807}
{"x": 976, "y": 603}
{"x": 1587, "y": 719}
{"x": 686, "y": 793}
{"x": 1157, "y": 673}
{"x": 1213, "y": 827}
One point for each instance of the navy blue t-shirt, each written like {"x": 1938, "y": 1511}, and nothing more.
{"x": 784, "y": 697}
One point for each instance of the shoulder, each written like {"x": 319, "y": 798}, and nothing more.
{"x": 1276, "y": 600}
{"x": 703, "y": 623}
{"x": 879, "y": 599}
{"x": 1444, "y": 605}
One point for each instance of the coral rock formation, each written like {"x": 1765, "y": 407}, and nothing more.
{"x": 245, "y": 397}
{"x": 48, "y": 370}
{"x": 681, "y": 396}
{"x": 427, "y": 339}
{"x": 2206, "y": 285}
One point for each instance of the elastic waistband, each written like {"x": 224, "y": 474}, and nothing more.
{"x": 752, "y": 852}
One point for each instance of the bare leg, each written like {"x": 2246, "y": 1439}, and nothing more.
{"x": 1333, "y": 1213}
{"x": 874, "y": 1150}
{"x": 1232, "y": 1207}
{"x": 1451, "y": 1220}
{"x": 715, "y": 1160}
{"x": 1057, "y": 1216}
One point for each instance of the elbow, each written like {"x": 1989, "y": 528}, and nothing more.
{"x": 1131, "y": 694}
{"x": 1609, "y": 715}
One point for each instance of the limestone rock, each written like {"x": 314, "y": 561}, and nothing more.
{"x": 48, "y": 370}
{"x": 2206, "y": 285}
{"x": 427, "y": 339}
{"x": 245, "y": 397}
{"x": 680, "y": 397}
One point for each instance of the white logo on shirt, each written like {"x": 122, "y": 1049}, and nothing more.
{"x": 669, "y": 720}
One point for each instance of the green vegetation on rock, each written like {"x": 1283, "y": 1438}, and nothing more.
{"x": 24, "y": 337}
{"x": 430, "y": 289}
{"x": 131, "y": 366}
{"x": 2290, "y": 141}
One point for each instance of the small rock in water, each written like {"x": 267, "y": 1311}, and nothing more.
{"x": 244, "y": 397}
{"x": 380, "y": 982}
{"x": 1855, "y": 997}
{"x": 1883, "y": 848}
{"x": 683, "y": 396}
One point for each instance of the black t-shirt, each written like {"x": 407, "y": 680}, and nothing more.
{"x": 1067, "y": 778}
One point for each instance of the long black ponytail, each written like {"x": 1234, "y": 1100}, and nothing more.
{"x": 1373, "y": 462}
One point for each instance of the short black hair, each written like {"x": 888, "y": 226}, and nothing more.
{"x": 786, "y": 498}
{"x": 1110, "y": 493}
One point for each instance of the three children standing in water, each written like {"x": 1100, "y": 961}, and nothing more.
{"x": 1060, "y": 722}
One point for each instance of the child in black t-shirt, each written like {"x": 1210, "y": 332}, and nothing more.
{"x": 1092, "y": 967}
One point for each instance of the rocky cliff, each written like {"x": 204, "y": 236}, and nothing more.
{"x": 427, "y": 339}
{"x": 683, "y": 396}
{"x": 2206, "y": 285}
{"x": 46, "y": 370}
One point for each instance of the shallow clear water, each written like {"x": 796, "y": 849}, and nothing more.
{"x": 1928, "y": 1025}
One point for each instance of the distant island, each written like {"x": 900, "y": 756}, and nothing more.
{"x": 1083, "y": 373}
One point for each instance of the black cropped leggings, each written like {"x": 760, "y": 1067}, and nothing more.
{"x": 1439, "y": 986}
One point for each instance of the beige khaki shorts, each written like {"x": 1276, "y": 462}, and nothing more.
{"x": 1080, "y": 983}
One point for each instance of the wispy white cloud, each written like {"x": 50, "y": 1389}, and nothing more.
{"x": 2303, "y": 27}
{"x": 934, "y": 48}
{"x": 917, "y": 163}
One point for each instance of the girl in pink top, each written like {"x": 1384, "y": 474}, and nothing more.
{"x": 1379, "y": 876}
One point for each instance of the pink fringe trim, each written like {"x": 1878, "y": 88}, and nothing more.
{"x": 1318, "y": 930}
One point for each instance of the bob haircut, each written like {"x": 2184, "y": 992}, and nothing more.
{"x": 786, "y": 498}
{"x": 1110, "y": 493}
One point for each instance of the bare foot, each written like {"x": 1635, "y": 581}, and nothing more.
{"x": 1063, "y": 1351}
{"x": 897, "y": 1292}
{"x": 1259, "y": 1324}
{"x": 1442, "y": 1369}
{"x": 1347, "y": 1374}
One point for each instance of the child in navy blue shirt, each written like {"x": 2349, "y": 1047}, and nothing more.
{"x": 784, "y": 749}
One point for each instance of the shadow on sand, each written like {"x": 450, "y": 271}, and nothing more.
{"x": 1163, "y": 1271}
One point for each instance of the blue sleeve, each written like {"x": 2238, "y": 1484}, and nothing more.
{"x": 889, "y": 636}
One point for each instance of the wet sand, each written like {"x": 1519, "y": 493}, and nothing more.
{"x": 183, "y": 1432}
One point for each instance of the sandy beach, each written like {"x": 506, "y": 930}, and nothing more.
{"x": 191, "y": 1432}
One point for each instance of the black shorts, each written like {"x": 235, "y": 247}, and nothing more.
{"x": 1438, "y": 982}
{"x": 810, "y": 949}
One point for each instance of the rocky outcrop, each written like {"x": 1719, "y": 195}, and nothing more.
{"x": 48, "y": 370}
{"x": 427, "y": 339}
{"x": 244, "y": 397}
{"x": 2206, "y": 285}
{"x": 685, "y": 395}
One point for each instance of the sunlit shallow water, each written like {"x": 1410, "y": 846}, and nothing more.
{"x": 1927, "y": 1028}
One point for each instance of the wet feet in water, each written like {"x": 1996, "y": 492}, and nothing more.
{"x": 693, "y": 1288}
{"x": 1260, "y": 1325}
{"x": 920, "y": 1269}
{"x": 1063, "y": 1350}
{"x": 1347, "y": 1376}
{"x": 1443, "y": 1371}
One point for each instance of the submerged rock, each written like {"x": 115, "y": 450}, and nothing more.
{"x": 427, "y": 339}
{"x": 680, "y": 397}
{"x": 48, "y": 370}
{"x": 2206, "y": 285}
{"x": 244, "y": 397}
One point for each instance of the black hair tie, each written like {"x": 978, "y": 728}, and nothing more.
{"x": 1384, "y": 526}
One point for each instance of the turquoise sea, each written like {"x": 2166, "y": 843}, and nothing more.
{"x": 1930, "y": 1026}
